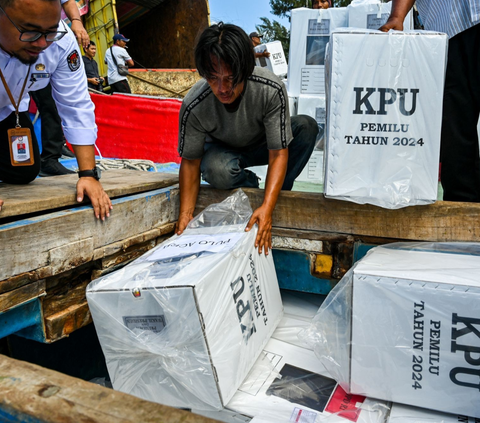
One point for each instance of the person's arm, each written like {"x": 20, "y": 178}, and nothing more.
{"x": 400, "y": 9}
{"x": 277, "y": 168}
{"x": 262, "y": 54}
{"x": 102, "y": 205}
{"x": 189, "y": 187}
{"x": 71, "y": 10}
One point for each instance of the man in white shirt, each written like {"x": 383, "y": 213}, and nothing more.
{"x": 118, "y": 83}
{"x": 37, "y": 48}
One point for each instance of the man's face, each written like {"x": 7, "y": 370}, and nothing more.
{"x": 28, "y": 15}
{"x": 321, "y": 4}
{"x": 256, "y": 41}
{"x": 121, "y": 43}
{"x": 91, "y": 51}
{"x": 221, "y": 83}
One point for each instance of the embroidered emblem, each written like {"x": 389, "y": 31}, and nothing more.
{"x": 73, "y": 61}
{"x": 40, "y": 67}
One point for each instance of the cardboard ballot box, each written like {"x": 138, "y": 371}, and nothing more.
{"x": 288, "y": 383}
{"x": 404, "y": 326}
{"x": 277, "y": 62}
{"x": 406, "y": 414}
{"x": 184, "y": 324}
{"x": 384, "y": 115}
{"x": 372, "y": 14}
{"x": 310, "y": 31}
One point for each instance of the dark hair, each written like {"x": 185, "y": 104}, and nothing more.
{"x": 92, "y": 43}
{"x": 229, "y": 44}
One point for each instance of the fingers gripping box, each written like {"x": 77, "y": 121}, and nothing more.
{"x": 184, "y": 324}
{"x": 277, "y": 62}
{"x": 384, "y": 114}
{"x": 309, "y": 35}
{"x": 372, "y": 14}
{"x": 404, "y": 326}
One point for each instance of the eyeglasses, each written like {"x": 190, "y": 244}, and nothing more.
{"x": 31, "y": 36}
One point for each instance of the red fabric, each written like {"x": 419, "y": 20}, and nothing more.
{"x": 137, "y": 128}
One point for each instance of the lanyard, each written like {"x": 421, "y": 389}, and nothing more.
{"x": 10, "y": 96}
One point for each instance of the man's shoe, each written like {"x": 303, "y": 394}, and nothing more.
{"x": 53, "y": 168}
{"x": 66, "y": 153}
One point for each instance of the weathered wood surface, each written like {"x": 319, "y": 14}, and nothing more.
{"x": 442, "y": 221}
{"x": 59, "y": 191}
{"x": 34, "y": 243}
{"x": 33, "y": 393}
{"x": 21, "y": 295}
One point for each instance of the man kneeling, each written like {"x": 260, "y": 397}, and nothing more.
{"x": 237, "y": 118}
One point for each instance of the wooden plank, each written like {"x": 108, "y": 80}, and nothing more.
{"x": 63, "y": 323}
{"x": 442, "y": 221}
{"x": 26, "y": 244}
{"x": 71, "y": 255}
{"x": 21, "y": 295}
{"x": 33, "y": 393}
{"x": 59, "y": 191}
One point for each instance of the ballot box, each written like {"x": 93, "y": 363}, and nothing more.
{"x": 184, "y": 324}
{"x": 405, "y": 414}
{"x": 372, "y": 14}
{"x": 309, "y": 35}
{"x": 384, "y": 115}
{"x": 292, "y": 105}
{"x": 277, "y": 62}
{"x": 404, "y": 326}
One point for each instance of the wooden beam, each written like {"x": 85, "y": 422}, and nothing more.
{"x": 441, "y": 221}
{"x": 22, "y": 295}
{"x": 63, "y": 323}
{"x": 33, "y": 393}
{"x": 59, "y": 191}
{"x": 26, "y": 244}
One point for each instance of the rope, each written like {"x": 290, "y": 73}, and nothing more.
{"x": 142, "y": 165}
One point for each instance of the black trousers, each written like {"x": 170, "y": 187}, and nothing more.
{"x": 17, "y": 174}
{"x": 460, "y": 173}
{"x": 52, "y": 132}
{"x": 120, "y": 87}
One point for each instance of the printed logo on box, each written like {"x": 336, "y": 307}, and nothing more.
{"x": 345, "y": 405}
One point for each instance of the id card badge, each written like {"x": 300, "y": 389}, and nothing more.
{"x": 21, "y": 150}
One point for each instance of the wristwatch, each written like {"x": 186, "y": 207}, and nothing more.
{"x": 93, "y": 173}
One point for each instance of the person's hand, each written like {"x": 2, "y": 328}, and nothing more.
{"x": 392, "y": 23}
{"x": 98, "y": 197}
{"x": 1, "y": 204}
{"x": 263, "y": 218}
{"x": 182, "y": 222}
{"x": 266, "y": 54}
{"x": 80, "y": 33}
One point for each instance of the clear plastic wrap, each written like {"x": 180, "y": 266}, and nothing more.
{"x": 384, "y": 113}
{"x": 403, "y": 325}
{"x": 406, "y": 414}
{"x": 183, "y": 324}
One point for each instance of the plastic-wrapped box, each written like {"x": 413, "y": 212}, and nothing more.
{"x": 183, "y": 324}
{"x": 403, "y": 325}
{"x": 277, "y": 62}
{"x": 372, "y": 14}
{"x": 310, "y": 31}
{"x": 405, "y": 414}
{"x": 384, "y": 116}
